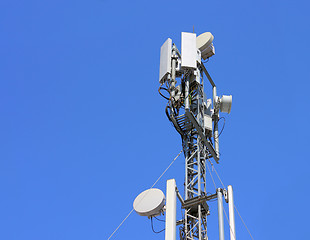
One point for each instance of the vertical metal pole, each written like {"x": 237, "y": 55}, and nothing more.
{"x": 216, "y": 136}
{"x": 231, "y": 213}
{"x": 199, "y": 186}
{"x": 187, "y": 155}
{"x": 220, "y": 213}
{"x": 173, "y": 65}
{"x": 185, "y": 147}
{"x": 187, "y": 92}
{"x": 214, "y": 95}
{"x": 171, "y": 203}
{"x": 216, "y": 129}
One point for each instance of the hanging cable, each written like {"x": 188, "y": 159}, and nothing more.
{"x": 207, "y": 60}
{"x": 153, "y": 227}
{"x": 159, "y": 219}
{"x": 162, "y": 88}
{"x": 222, "y": 127}
{"x": 145, "y": 194}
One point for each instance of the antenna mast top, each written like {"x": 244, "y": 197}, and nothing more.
{"x": 195, "y": 117}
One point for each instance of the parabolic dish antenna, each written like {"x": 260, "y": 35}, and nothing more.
{"x": 226, "y": 102}
{"x": 150, "y": 202}
{"x": 204, "y": 44}
{"x": 204, "y": 40}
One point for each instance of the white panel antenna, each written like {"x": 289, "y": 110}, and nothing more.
{"x": 188, "y": 50}
{"x": 165, "y": 60}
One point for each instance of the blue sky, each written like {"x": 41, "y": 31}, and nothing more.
{"x": 83, "y": 129}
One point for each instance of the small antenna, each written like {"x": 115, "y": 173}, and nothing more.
{"x": 193, "y": 29}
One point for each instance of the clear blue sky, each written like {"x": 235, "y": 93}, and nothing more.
{"x": 83, "y": 129}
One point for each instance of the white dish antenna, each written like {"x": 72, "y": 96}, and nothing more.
{"x": 225, "y": 103}
{"x": 149, "y": 203}
{"x": 204, "y": 44}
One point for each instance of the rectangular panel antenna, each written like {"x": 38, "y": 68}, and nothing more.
{"x": 189, "y": 50}
{"x": 165, "y": 60}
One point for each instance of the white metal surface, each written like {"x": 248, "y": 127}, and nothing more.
{"x": 204, "y": 44}
{"x": 150, "y": 202}
{"x": 208, "y": 52}
{"x": 208, "y": 122}
{"x": 204, "y": 40}
{"x": 220, "y": 213}
{"x": 226, "y": 102}
{"x": 171, "y": 204}
{"x": 165, "y": 59}
{"x": 208, "y": 114}
{"x": 199, "y": 57}
{"x": 188, "y": 50}
{"x": 231, "y": 213}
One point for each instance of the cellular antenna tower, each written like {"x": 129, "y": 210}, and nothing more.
{"x": 195, "y": 117}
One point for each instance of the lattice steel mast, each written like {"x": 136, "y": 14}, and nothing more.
{"x": 196, "y": 119}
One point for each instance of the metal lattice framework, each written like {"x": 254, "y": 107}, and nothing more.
{"x": 195, "y": 221}
{"x": 193, "y": 117}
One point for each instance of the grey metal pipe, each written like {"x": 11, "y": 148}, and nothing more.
{"x": 216, "y": 136}
{"x": 216, "y": 119}
{"x": 173, "y": 69}
{"x": 214, "y": 95}
{"x": 231, "y": 213}
{"x": 186, "y": 173}
{"x": 176, "y": 50}
{"x": 187, "y": 92}
{"x": 220, "y": 213}
{"x": 207, "y": 74}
